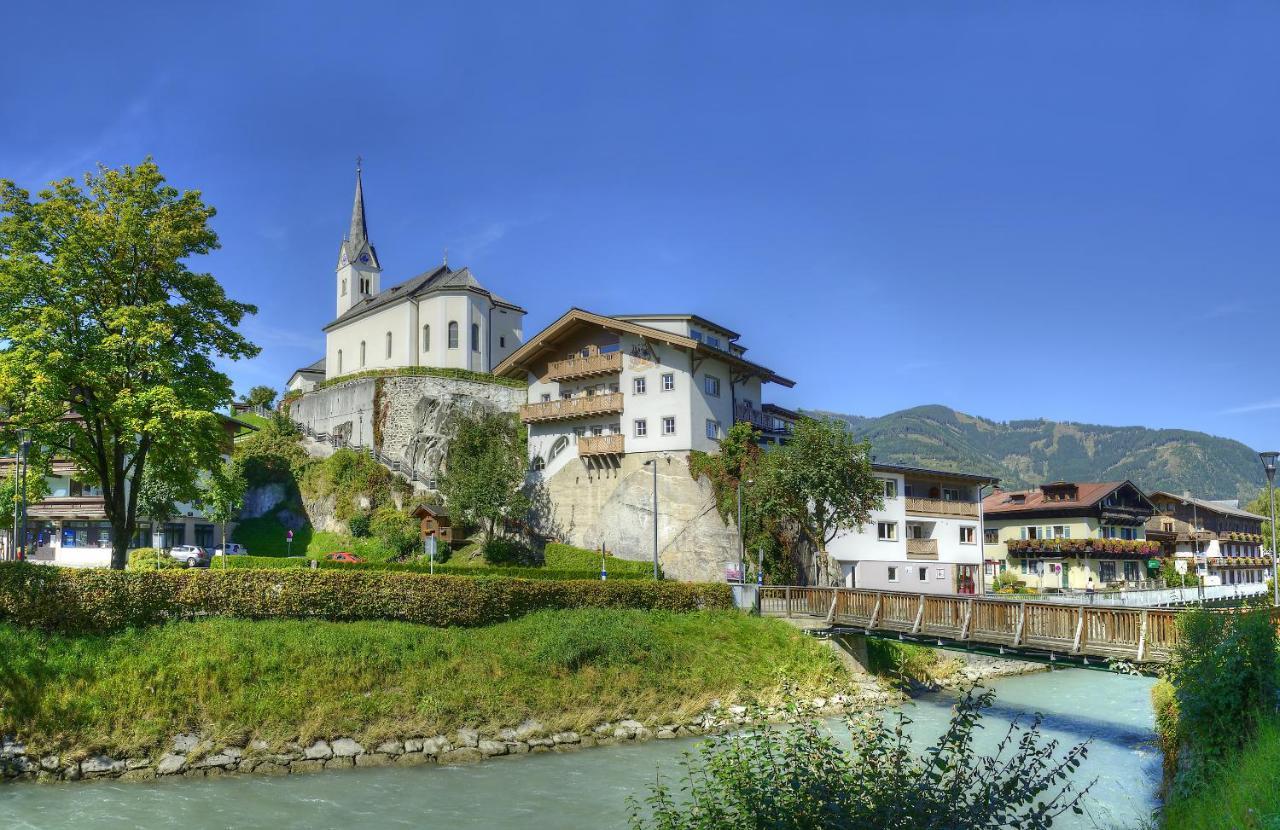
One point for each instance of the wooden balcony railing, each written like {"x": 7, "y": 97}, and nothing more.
{"x": 569, "y": 408}
{"x": 750, "y": 415}
{"x": 922, "y": 548}
{"x": 600, "y": 445}
{"x": 582, "y": 367}
{"x": 942, "y": 507}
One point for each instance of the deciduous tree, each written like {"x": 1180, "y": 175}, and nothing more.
{"x": 223, "y": 496}
{"x": 108, "y": 337}
{"x": 261, "y": 396}
{"x": 483, "y": 482}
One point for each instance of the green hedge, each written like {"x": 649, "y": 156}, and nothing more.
{"x": 94, "y": 599}
{"x": 276, "y": 562}
{"x": 560, "y": 556}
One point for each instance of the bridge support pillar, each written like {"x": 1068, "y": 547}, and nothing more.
{"x": 852, "y": 651}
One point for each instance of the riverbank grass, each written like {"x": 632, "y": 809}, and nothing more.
{"x": 1241, "y": 794}
{"x": 127, "y": 693}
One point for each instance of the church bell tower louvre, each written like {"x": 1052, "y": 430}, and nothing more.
{"x": 358, "y": 272}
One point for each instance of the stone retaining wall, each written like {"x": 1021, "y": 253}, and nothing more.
{"x": 194, "y": 755}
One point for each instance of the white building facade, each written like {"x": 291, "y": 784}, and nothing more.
{"x": 926, "y": 539}
{"x": 443, "y": 318}
{"x": 603, "y": 387}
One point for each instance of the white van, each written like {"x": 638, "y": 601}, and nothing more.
{"x": 233, "y": 549}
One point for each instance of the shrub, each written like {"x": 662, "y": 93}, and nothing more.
{"x": 92, "y": 599}
{"x": 419, "y": 565}
{"x": 149, "y": 559}
{"x": 1165, "y": 703}
{"x": 395, "y": 529}
{"x": 504, "y": 552}
{"x": 569, "y": 558}
{"x": 359, "y": 525}
{"x": 800, "y": 777}
{"x": 424, "y": 371}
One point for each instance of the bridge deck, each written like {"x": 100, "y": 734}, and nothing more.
{"x": 1143, "y": 635}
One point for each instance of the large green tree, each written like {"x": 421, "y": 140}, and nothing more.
{"x": 108, "y": 338}
{"x": 261, "y": 396}
{"x": 821, "y": 481}
{"x": 222, "y": 496}
{"x": 483, "y": 482}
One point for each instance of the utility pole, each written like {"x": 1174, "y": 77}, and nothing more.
{"x": 1269, "y": 465}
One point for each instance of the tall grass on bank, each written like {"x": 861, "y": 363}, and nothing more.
{"x": 1243, "y": 795}
{"x": 279, "y": 680}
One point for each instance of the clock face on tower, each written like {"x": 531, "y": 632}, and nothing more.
{"x": 364, "y": 257}
{"x": 344, "y": 258}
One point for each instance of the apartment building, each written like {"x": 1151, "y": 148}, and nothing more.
{"x": 1071, "y": 535}
{"x": 1214, "y": 540}
{"x": 603, "y": 387}
{"x": 924, "y": 540}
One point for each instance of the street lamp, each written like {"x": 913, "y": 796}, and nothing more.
{"x": 742, "y": 537}
{"x": 1269, "y": 465}
{"x": 654, "y": 462}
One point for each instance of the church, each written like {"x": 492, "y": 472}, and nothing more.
{"x": 442, "y": 318}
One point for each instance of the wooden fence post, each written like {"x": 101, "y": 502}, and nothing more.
{"x": 788, "y": 600}
{"x": 1075, "y": 647}
{"x": 915, "y": 628}
{"x": 1142, "y": 637}
{"x": 1022, "y": 619}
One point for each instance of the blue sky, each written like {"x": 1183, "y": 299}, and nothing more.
{"x": 1023, "y": 210}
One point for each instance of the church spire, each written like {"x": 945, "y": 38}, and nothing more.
{"x": 359, "y": 233}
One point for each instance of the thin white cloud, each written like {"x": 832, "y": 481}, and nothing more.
{"x": 1260, "y": 406}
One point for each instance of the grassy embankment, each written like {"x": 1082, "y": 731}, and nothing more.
{"x": 1245, "y": 795}
{"x": 279, "y": 680}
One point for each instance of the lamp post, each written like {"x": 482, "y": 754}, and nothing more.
{"x": 654, "y": 463}
{"x": 1269, "y": 465}
{"x": 742, "y": 537}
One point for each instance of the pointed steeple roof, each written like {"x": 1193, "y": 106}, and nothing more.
{"x": 357, "y": 245}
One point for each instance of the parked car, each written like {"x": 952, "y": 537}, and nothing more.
{"x": 233, "y": 549}
{"x": 190, "y": 555}
{"x": 343, "y": 556}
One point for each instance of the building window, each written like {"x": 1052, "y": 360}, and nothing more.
{"x": 597, "y": 430}
{"x": 991, "y": 536}
{"x": 578, "y": 432}
{"x": 669, "y": 425}
{"x": 475, "y": 337}
{"x": 713, "y": 429}
{"x": 426, "y": 338}
{"x": 890, "y": 488}
{"x": 453, "y": 334}
{"x": 637, "y": 386}
{"x": 362, "y": 354}
{"x": 344, "y": 288}
{"x": 537, "y": 463}
{"x": 502, "y": 342}
{"x": 558, "y": 447}
{"x": 950, "y": 494}
{"x": 923, "y": 573}
{"x": 546, "y": 397}
{"x": 713, "y": 341}
{"x": 887, "y": 531}
{"x": 711, "y": 385}
{"x": 339, "y": 361}
{"x": 668, "y": 381}
{"x": 388, "y": 345}
{"x": 967, "y": 534}
{"x": 566, "y": 396}
{"x": 1061, "y": 531}
{"x": 640, "y": 427}
{"x": 893, "y": 573}
{"x": 942, "y": 573}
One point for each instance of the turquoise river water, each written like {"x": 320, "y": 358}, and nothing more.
{"x": 588, "y": 789}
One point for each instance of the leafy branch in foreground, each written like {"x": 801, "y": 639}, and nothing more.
{"x": 798, "y": 777}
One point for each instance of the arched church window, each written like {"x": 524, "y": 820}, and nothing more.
{"x": 538, "y": 463}
{"x": 344, "y": 288}
{"x": 388, "y": 345}
{"x": 362, "y": 354}
{"x": 475, "y": 337}
{"x": 453, "y": 334}
{"x": 426, "y": 338}
{"x": 558, "y": 447}
{"x": 339, "y": 361}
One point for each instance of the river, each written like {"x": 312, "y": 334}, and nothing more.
{"x": 587, "y": 789}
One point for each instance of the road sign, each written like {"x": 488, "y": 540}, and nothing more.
{"x": 288, "y": 536}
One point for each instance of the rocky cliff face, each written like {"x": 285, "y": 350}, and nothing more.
{"x": 614, "y": 507}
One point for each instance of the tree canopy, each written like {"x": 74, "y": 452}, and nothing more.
{"x": 483, "y": 482}
{"x": 261, "y": 396}
{"x": 108, "y": 337}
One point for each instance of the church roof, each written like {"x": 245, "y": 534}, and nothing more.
{"x": 442, "y": 278}
{"x": 357, "y": 241}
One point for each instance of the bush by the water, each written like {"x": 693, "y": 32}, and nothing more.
{"x": 92, "y": 599}
{"x": 150, "y": 559}
{"x": 801, "y": 778}
{"x": 560, "y": 556}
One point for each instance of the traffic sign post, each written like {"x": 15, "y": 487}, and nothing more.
{"x": 288, "y": 540}
{"x": 429, "y": 547}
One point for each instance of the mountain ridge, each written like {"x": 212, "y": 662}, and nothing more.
{"x": 1025, "y": 453}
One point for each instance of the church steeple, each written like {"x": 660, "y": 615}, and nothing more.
{"x": 358, "y": 266}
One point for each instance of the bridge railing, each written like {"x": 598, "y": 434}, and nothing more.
{"x": 1142, "y": 634}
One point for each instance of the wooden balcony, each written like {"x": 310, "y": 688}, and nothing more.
{"x": 567, "y": 409}
{"x": 750, "y": 415}
{"x": 922, "y": 548}
{"x": 600, "y": 445}
{"x": 941, "y": 507}
{"x": 584, "y": 367}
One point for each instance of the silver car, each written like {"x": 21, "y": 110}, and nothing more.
{"x": 190, "y": 555}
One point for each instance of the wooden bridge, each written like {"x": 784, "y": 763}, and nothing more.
{"x": 1140, "y": 635}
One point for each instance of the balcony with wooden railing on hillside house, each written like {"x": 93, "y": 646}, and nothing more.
{"x": 590, "y": 362}
{"x": 589, "y": 445}
{"x": 922, "y": 548}
{"x": 566, "y": 409}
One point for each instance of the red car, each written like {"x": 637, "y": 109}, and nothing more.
{"x": 343, "y": 556}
